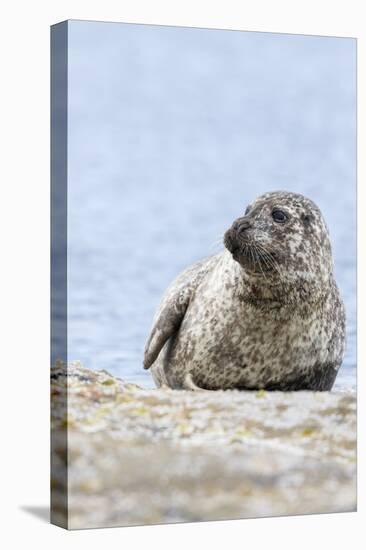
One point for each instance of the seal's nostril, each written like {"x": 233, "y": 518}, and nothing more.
{"x": 243, "y": 226}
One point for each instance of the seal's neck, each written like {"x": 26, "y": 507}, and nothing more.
{"x": 276, "y": 295}
{"x": 302, "y": 295}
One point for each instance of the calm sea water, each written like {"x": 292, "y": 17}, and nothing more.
{"x": 172, "y": 132}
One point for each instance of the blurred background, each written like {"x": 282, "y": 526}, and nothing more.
{"x": 172, "y": 131}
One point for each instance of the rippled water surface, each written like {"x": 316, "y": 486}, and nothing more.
{"x": 172, "y": 132}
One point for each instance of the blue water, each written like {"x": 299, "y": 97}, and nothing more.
{"x": 172, "y": 131}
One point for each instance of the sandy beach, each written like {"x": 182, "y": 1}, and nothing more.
{"x": 138, "y": 456}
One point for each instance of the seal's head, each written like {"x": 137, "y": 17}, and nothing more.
{"x": 282, "y": 238}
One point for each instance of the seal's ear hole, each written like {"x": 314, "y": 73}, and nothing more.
{"x": 306, "y": 218}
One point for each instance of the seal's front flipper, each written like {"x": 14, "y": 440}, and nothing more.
{"x": 189, "y": 384}
{"x": 174, "y": 307}
{"x": 167, "y": 323}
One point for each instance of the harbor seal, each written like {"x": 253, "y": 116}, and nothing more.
{"x": 266, "y": 313}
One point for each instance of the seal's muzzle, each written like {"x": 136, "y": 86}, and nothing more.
{"x": 235, "y": 238}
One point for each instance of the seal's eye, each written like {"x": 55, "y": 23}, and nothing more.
{"x": 279, "y": 216}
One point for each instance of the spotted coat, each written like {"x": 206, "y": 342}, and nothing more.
{"x": 264, "y": 313}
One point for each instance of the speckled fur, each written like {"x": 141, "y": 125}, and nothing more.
{"x": 265, "y": 313}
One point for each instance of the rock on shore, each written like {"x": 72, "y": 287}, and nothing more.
{"x": 140, "y": 456}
